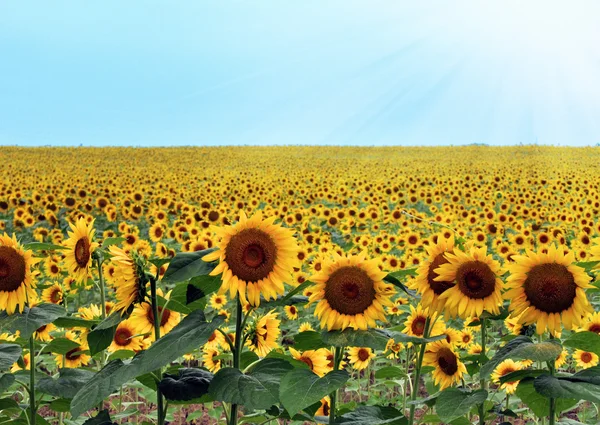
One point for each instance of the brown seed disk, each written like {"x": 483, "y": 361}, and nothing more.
{"x": 550, "y": 287}
{"x": 251, "y": 255}
{"x": 476, "y": 280}
{"x": 438, "y": 287}
{"x": 82, "y": 252}
{"x": 447, "y": 361}
{"x": 12, "y": 269}
{"x": 350, "y": 290}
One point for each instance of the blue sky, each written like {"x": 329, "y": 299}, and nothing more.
{"x": 299, "y": 72}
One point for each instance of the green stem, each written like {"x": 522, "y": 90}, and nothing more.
{"x": 239, "y": 324}
{"x": 552, "y": 413}
{"x": 32, "y": 380}
{"x": 102, "y": 290}
{"x": 482, "y": 384}
{"x": 158, "y": 373}
{"x": 415, "y": 387}
{"x": 337, "y": 359}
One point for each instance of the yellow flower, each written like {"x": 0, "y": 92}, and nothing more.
{"x": 127, "y": 280}
{"x": 291, "y": 312}
{"x": 16, "y": 277}
{"x": 305, "y": 327}
{"x": 255, "y": 257}
{"x": 360, "y": 357}
{"x": 209, "y": 361}
{"x": 264, "y": 334}
{"x": 53, "y": 294}
{"x": 142, "y": 318}
{"x": 77, "y": 356}
{"x": 315, "y": 359}
{"x": 78, "y": 256}
{"x": 504, "y": 368}
{"x": 350, "y": 292}
{"x": 548, "y": 289}
{"x": 218, "y": 301}
{"x": 126, "y": 338}
{"x": 448, "y": 367}
{"x": 585, "y": 359}
{"x": 43, "y": 333}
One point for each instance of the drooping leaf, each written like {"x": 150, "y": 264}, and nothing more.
{"x": 540, "y": 352}
{"x": 102, "y": 335}
{"x": 31, "y": 319}
{"x": 574, "y": 387}
{"x": 75, "y": 322}
{"x": 369, "y": 415}
{"x": 539, "y": 404}
{"x": 112, "y": 241}
{"x": 518, "y": 375}
{"x": 186, "y": 265}
{"x": 258, "y": 389}
{"x": 60, "y": 346}
{"x": 452, "y": 403}
{"x": 41, "y": 246}
{"x": 191, "y": 295}
{"x": 191, "y": 332}
{"x": 376, "y": 339}
{"x": 188, "y": 384}
{"x": 6, "y": 381}
{"x": 301, "y": 388}
{"x": 9, "y": 354}
{"x": 390, "y": 372}
{"x": 518, "y": 348}
{"x": 69, "y": 382}
{"x": 395, "y": 279}
{"x": 60, "y": 405}
{"x": 102, "y": 418}
{"x": 309, "y": 340}
{"x": 586, "y": 341}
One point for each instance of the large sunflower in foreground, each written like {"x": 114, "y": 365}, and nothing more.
{"x": 425, "y": 282}
{"x": 127, "y": 280}
{"x": 477, "y": 287}
{"x": 350, "y": 292}
{"x": 255, "y": 257}
{"x": 548, "y": 289}
{"x": 78, "y": 256}
{"x": 16, "y": 278}
{"x": 448, "y": 367}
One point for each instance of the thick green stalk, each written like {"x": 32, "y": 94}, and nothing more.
{"x": 482, "y": 384}
{"x": 239, "y": 324}
{"x": 102, "y": 290}
{"x": 415, "y": 387}
{"x": 337, "y": 358}
{"x": 32, "y": 380}
{"x": 552, "y": 413}
{"x": 158, "y": 373}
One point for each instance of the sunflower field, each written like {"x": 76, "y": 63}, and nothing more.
{"x": 299, "y": 285}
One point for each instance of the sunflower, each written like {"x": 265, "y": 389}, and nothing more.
{"x": 448, "y": 367}
{"x": 466, "y": 338}
{"x": 513, "y": 325}
{"x": 53, "y": 294}
{"x": 324, "y": 409}
{"x": 77, "y": 356}
{"x": 316, "y": 360}
{"x": 545, "y": 288}
{"x": 425, "y": 282}
{"x": 453, "y": 336}
{"x": 126, "y": 337}
{"x": 78, "y": 258}
{"x": 504, "y": 368}
{"x": 585, "y": 359}
{"x": 209, "y": 361}
{"x": 142, "y": 317}
{"x": 215, "y": 340}
{"x": 477, "y": 288}
{"x": 474, "y": 349}
{"x": 128, "y": 279}
{"x": 360, "y": 357}
{"x": 351, "y": 293}
{"x": 591, "y": 323}
{"x": 393, "y": 349}
{"x": 217, "y": 301}
{"x": 16, "y": 277}
{"x": 26, "y": 362}
{"x": 305, "y": 327}
{"x": 291, "y": 312}
{"x": 415, "y": 323}
{"x": 43, "y": 332}
{"x": 561, "y": 359}
{"x": 263, "y": 334}
{"x": 255, "y": 257}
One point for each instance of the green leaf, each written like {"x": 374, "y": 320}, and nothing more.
{"x": 289, "y": 297}
{"x": 8, "y": 403}
{"x": 539, "y": 404}
{"x": 191, "y": 332}
{"x": 309, "y": 340}
{"x": 40, "y": 246}
{"x": 103, "y": 418}
{"x": 31, "y": 319}
{"x": 186, "y": 385}
{"x": 374, "y": 338}
{"x": 259, "y": 389}
{"x": 587, "y": 265}
{"x": 75, "y": 322}
{"x": 574, "y": 387}
{"x": 301, "y": 388}
{"x": 61, "y": 346}
{"x": 201, "y": 286}
{"x": 6, "y": 381}
{"x": 452, "y": 403}
{"x": 390, "y": 372}
{"x": 518, "y": 375}
{"x": 395, "y": 279}
{"x": 60, "y": 405}
{"x": 372, "y": 415}
{"x": 102, "y": 335}
{"x": 9, "y": 354}
{"x": 186, "y": 265}
{"x": 112, "y": 241}
{"x": 69, "y": 382}
{"x": 247, "y": 358}
{"x": 586, "y": 341}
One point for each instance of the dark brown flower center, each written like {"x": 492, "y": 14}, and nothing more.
{"x": 550, "y": 287}
{"x": 74, "y": 354}
{"x": 123, "y": 336}
{"x": 476, "y": 280}
{"x": 82, "y": 252}
{"x": 293, "y": 310}
{"x": 438, "y": 287}
{"x": 251, "y": 255}
{"x": 56, "y": 296}
{"x": 307, "y": 361}
{"x": 595, "y": 327}
{"x": 349, "y": 290}
{"x": 418, "y": 325}
{"x": 363, "y": 354}
{"x": 164, "y": 316}
{"x": 447, "y": 361}
{"x": 326, "y": 409}
{"x": 12, "y": 269}
{"x": 586, "y": 357}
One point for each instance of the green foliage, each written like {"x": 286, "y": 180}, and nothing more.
{"x": 453, "y": 403}
{"x": 186, "y": 265}
{"x": 31, "y": 319}
{"x": 9, "y": 354}
{"x": 586, "y": 341}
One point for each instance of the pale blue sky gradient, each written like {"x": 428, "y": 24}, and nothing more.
{"x": 338, "y": 72}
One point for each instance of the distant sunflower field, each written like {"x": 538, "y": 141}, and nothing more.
{"x": 297, "y": 285}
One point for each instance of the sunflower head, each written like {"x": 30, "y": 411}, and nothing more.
{"x": 80, "y": 248}
{"x": 16, "y": 276}
{"x": 548, "y": 289}
{"x": 507, "y": 366}
{"x": 350, "y": 292}
{"x": 255, "y": 257}
{"x": 129, "y": 278}
{"x": 448, "y": 367}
